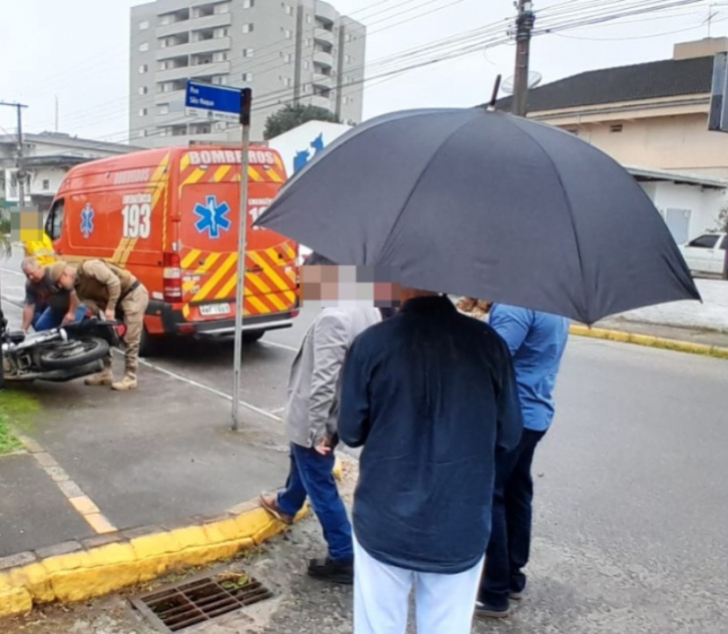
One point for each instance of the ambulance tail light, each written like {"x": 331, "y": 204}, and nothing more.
{"x": 172, "y": 278}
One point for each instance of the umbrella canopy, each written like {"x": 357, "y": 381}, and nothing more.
{"x": 487, "y": 205}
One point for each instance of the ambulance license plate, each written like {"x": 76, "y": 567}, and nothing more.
{"x": 214, "y": 309}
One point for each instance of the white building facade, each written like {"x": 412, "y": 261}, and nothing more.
{"x": 47, "y": 158}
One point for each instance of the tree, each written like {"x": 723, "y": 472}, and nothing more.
{"x": 293, "y": 115}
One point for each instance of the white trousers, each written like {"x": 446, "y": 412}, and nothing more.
{"x": 444, "y": 603}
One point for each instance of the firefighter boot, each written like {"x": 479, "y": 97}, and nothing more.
{"x": 105, "y": 377}
{"x": 129, "y": 382}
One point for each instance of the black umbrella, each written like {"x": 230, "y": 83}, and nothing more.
{"x": 487, "y": 205}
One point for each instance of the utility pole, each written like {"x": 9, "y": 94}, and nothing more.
{"x": 524, "y": 27}
{"x": 20, "y": 163}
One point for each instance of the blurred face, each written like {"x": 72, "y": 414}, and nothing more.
{"x": 34, "y": 273}
{"x": 347, "y": 286}
{"x": 67, "y": 279}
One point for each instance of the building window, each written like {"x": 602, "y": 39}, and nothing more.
{"x": 222, "y": 8}
{"x": 248, "y": 28}
{"x": 617, "y": 127}
{"x": 143, "y": 48}
{"x": 46, "y": 185}
{"x": 309, "y": 19}
{"x": 163, "y": 108}
{"x": 306, "y": 65}
{"x": 286, "y": 81}
{"x": 248, "y": 4}
{"x": 221, "y": 56}
{"x": 248, "y": 77}
{"x": 142, "y": 112}
{"x": 289, "y": 10}
{"x": 220, "y": 80}
{"x": 143, "y": 26}
{"x": 143, "y": 90}
{"x": 349, "y": 59}
{"x": 248, "y": 52}
{"x": 143, "y": 69}
{"x": 287, "y": 33}
{"x": 287, "y": 57}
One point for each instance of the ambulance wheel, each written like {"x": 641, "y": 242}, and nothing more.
{"x": 149, "y": 345}
{"x": 251, "y": 336}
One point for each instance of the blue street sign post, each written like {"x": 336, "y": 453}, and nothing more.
{"x": 232, "y": 104}
{"x": 213, "y": 102}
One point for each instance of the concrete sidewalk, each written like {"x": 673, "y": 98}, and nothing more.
{"x": 159, "y": 455}
{"x": 97, "y": 463}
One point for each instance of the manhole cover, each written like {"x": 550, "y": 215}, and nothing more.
{"x": 175, "y": 608}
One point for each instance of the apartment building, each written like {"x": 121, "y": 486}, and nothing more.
{"x": 286, "y": 50}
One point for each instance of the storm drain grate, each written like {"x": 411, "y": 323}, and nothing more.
{"x": 178, "y": 607}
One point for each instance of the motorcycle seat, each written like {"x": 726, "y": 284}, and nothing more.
{"x": 16, "y": 336}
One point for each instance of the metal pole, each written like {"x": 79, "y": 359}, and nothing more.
{"x": 245, "y": 107}
{"x": 21, "y": 165}
{"x": 21, "y": 168}
{"x": 524, "y": 27}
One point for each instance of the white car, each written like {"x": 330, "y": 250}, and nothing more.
{"x": 707, "y": 254}
{"x": 303, "y": 253}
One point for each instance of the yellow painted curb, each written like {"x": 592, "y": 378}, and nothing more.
{"x": 650, "y": 341}
{"x": 128, "y": 558}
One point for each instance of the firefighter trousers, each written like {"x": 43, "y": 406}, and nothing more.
{"x": 132, "y": 308}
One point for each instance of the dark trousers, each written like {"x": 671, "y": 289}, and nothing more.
{"x": 311, "y": 474}
{"x": 510, "y": 538}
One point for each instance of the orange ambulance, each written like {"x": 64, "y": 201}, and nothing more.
{"x": 171, "y": 216}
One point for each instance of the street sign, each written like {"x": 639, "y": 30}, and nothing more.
{"x": 718, "y": 116}
{"x": 213, "y": 102}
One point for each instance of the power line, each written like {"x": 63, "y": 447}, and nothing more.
{"x": 597, "y": 17}
{"x": 279, "y": 48}
{"x": 579, "y": 19}
{"x": 636, "y": 37}
{"x": 253, "y": 68}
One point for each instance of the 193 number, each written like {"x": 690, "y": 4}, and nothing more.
{"x": 137, "y": 220}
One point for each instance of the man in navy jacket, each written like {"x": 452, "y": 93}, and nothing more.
{"x": 430, "y": 395}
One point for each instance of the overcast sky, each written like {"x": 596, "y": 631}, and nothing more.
{"x": 77, "y": 50}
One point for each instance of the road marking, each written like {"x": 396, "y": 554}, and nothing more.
{"x": 202, "y": 386}
{"x": 207, "y": 388}
{"x": 81, "y": 502}
{"x": 275, "y": 344}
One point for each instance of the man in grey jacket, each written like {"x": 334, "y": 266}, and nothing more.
{"x": 311, "y": 422}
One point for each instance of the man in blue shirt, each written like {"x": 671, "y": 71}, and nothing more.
{"x": 536, "y": 342}
{"x": 429, "y": 394}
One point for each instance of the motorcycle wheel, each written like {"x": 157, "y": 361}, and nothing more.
{"x": 73, "y": 354}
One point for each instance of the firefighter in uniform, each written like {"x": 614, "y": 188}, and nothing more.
{"x": 110, "y": 289}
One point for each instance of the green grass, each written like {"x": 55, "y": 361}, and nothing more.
{"x": 16, "y": 412}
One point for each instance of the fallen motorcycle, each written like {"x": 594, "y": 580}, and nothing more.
{"x": 60, "y": 354}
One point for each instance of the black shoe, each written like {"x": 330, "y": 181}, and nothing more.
{"x": 330, "y": 570}
{"x": 491, "y": 612}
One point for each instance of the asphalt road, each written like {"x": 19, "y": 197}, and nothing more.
{"x": 631, "y": 503}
